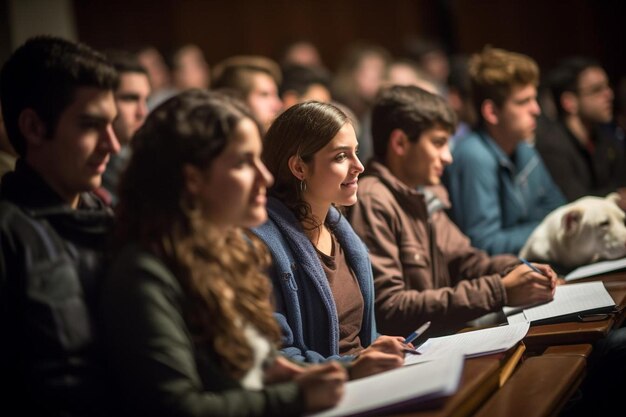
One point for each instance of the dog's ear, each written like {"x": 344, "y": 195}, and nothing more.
{"x": 571, "y": 221}
{"x": 614, "y": 197}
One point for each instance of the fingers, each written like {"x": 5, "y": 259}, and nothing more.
{"x": 531, "y": 276}
{"x": 323, "y": 385}
{"x": 548, "y": 272}
{"x": 389, "y": 344}
{"x": 281, "y": 369}
{"x": 540, "y": 293}
{"x": 330, "y": 372}
{"x": 373, "y": 362}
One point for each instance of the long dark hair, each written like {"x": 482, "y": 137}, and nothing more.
{"x": 220, "y": 271}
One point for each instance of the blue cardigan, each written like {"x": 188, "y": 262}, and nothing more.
{"x": 305, "y": 307}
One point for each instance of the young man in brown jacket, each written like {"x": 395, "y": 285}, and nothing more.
{"x": 424, "y": 267}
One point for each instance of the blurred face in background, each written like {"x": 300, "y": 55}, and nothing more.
{"x": 191, "y": 69}
{"x": 131, "y": 102}
{"x": 594, "y": 96}
{"x": 263, "y": 99}
{"x": 369, "y": 75}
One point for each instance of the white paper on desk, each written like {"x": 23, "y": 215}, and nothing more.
{"x": 571, "y": 299}
{"x": 470, "y": 344}
{"x": 399, "y": 388}
{"x": 596, "y": 269}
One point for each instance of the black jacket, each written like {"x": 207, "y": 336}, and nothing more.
{"x": 577, "y": 171}
{"x": 50, "y": 265}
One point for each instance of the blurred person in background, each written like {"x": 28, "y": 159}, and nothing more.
{"x": 359, "y": 76}
{"x": 460, "y": 98}
{"x": 581, "y": 150}
{"x": 158, "y": 73}
{"x": 302, "y": 83}
{"x": 189, "y": 68}
{"x": 301, "y": 52}
{"x": 432, "y": 58}
{"x": 131, "y": 97}
{"x": 8, "y": 156}
{"x": 256, "y": 80}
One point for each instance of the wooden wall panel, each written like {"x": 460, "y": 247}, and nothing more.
{"x": 545, "y": 29}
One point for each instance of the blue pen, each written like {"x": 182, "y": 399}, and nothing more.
{"x": 525, "y": 262}
{"x": 417, "y": 333}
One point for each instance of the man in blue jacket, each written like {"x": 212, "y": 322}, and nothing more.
{"x": 499, "y": 187}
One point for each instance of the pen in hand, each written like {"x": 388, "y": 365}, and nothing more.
{"x": 531, "y": 266}
{"x": 537, "y": 270}
{"x": 417, "y": 333}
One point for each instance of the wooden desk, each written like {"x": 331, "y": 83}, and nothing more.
{"x": 478, "y": 382}
{"x": 539, "y": 388}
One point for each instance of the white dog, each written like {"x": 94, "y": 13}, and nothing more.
{"x": 587, "y": 230}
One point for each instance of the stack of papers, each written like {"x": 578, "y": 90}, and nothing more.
{"x": 470, "y": 344}
{"x": 569, "y": 300}
{"x": 596, "y": 269}
{"x": 408, "y": 386}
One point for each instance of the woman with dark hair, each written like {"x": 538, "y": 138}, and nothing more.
{"x": 321, "y": 275}
{"x": 186, "y": 311}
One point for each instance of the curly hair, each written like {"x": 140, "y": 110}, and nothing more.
{"x": 302, "y": 130}
{"x": 219, "y": 271}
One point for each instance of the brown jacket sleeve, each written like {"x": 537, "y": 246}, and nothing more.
{"x": 407, "y": 291}
{"x": 462, "y": 259}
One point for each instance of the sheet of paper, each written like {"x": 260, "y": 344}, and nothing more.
{"x": 516, "y": 318}
{"x": 570, "y": 299}
{"x": 399, "y": 387}
{"x": 596, "y": 269}
{"x": 470, "y": 344}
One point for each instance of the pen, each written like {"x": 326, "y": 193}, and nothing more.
{"x": 528, "y": 264}
{"x": 417, "y": 333}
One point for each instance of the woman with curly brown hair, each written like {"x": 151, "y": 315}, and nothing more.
{"x": 186, "y": 311}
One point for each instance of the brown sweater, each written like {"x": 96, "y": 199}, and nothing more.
{"x": 347, "y": 296}
{"x": 424, "y": 267}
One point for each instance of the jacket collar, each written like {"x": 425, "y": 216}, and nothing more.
{"x": 401, "y": 190}
{"x": 26, "y": 188}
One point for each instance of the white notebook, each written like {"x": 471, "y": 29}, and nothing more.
{"x": 470, "y": 344}
{"x": 408, "y": 387}
{"x": 597, "y": 268}
{"x": 569, "y": 301}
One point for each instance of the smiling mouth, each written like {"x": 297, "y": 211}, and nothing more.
{"x": 350, "y": 183}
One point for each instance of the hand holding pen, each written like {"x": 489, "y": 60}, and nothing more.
{"x": 529, "y": 284}
{"x": 545, "y": 270}
{"x": 414, "y": 335}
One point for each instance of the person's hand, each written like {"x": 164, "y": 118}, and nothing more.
{"x": 281, "y": 370}
{"x": 371, "y": 362}
{"x": 322, "y": 385}
{"x": 389, "y": 344}
{"x": 524, "y": 286}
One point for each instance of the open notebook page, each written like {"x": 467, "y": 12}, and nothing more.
{"x": 569, "y": 299}
{"x": 470, "y": 344}
{"x": 399, "y": 388}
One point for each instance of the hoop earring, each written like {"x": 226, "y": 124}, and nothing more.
{"x": 302, "y": 186}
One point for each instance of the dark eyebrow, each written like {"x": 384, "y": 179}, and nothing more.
{"x": 128, "y": 96}
{"x": 342, "y": 148}
{"x": 92, "y": 118}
